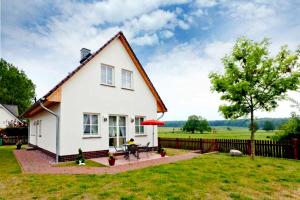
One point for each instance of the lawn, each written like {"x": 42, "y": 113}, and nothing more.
{"x": 88, "y": 163}
{"x": 214, "y": 176}
{"x": 221, "y": 133}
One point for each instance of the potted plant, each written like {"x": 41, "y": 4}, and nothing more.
{"x": 162, "y": 152}
{"x": 111, "y": 159}
{"x": 80, "y": 159}
{"x": 19, "y": 144}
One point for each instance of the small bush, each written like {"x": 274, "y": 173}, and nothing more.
{"x": 80, "y": 157}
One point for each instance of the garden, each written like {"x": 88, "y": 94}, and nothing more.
{"x": 213, "y": 176}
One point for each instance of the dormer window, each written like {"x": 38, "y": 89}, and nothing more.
{"x": 107, "y": 75}
{"x": 127, "y": 79}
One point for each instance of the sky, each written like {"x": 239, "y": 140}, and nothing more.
{"x": 178, "y": 42}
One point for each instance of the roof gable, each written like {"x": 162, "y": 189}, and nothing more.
{"x": 53, "y": 96}
{"x": 11, "y": 110}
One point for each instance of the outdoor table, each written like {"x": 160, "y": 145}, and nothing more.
{"x": 127, "y": 151}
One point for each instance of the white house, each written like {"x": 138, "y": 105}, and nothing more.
{"x": 8, "y": 113}
{"x": 99, "y": 105}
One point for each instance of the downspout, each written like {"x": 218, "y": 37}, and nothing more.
{"x": 161, "y": 116}
{"x": 57, "y": 128}
{"x": 153, "y": 127}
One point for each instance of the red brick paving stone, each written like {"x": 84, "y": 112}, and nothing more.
{"x": 39, "y": 163}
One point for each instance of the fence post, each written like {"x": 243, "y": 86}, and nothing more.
{"x": 296, "y": 150}
{"x": 249, "y": 147}
{"x": 201, "y": 145}
{"x": 177, "y": 143}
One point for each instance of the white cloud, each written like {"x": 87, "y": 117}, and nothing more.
{"x": 181, "y": 77}
{"x": 44, "y": 38}
{"x": 51, "y": 43}
{"x": 206, "y": 3}
{"x": 146, "y": 40}
{"x": 167, "y": 34}
{"x": 151, "y": 22}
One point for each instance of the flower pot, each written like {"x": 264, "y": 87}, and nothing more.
{"x": 19, "y": 146}
{"x": 163, "y": 154}
{"x": 111, "y": 161}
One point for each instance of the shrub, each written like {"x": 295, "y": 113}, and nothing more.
{"x": 290, "y": 129}
{"x": 80, "y": 157}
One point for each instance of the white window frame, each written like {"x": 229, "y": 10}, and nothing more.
{"x": 117, "y": 126}
{"x": 90, "y": 134}
{"x": 106, "y": 75}
{"x": 139, "y": 125}
{"x": 131, "y": 79}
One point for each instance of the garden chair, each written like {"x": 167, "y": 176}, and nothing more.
{"x": 146, "y": 148}
{"x": 126, "y": 152}
{"x": 133, "y": 149}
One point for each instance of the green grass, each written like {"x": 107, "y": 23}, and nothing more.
{"x": 174, "y": 152}
{"x": 214, "y": 176}
{"x": 221, "y": 133}
{"x": 88, "y": 163}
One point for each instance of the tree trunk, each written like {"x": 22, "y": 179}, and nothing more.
{"x": 252, "y": 135}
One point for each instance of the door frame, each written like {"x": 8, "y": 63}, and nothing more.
{"x": 111, "y": 148}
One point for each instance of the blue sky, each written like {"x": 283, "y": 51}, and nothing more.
{"x": 179, "y": 42}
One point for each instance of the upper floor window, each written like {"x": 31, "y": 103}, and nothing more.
{"x": 90, "y": 124}
{"x": 127, "y": 79}
{"x": 107, "y": 75}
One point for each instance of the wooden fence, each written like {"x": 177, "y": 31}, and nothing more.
{"x": 10, "y": 140}
{"x": 268, "y": 148}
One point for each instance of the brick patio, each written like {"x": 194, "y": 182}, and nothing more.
{"x": 39, "y": 163}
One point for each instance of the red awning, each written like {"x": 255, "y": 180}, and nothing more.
{"x": 153, "y": 122}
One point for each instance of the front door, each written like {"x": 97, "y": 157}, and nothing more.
{"x": 117, "y": 130}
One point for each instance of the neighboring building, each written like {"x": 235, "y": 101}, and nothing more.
{"x": 8, "y": 113}
{"x": 100, "y": 105}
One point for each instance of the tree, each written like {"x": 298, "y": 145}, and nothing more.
{"x": 15, "y": 87}
{"x": 254, "y": 127}
{"x": 290, "y": 129}
{"x": 268, "y": 126}
{"x": 196, "y": 123}
{"x": 253, "y": 80}
{"x": 191, "y": 124}
{"x": 203, "y": 125}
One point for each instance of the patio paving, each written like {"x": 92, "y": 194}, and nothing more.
{"x": 35, "y": 162}
{"x": 120, "y": 160}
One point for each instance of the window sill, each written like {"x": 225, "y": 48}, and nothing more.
{"x": 127, "y": 89}
{"x": 141, "y": 135}
{"x": 107, "y": 85}
{"x": 90, "y": 137}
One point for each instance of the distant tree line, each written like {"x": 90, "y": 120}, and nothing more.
{"x": 276, "y": 122}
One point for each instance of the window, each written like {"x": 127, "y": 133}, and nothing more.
{"x": 126, "y": 79}
{"x": 90, "y": 124}
{"x": 107, "y": 75}
{"x": 139, "y": 129}
{"x": 37, "y": 127}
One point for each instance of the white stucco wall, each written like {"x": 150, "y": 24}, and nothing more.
{"x": 5, "y": 117}
{"x": 83, "y": 93}
{"x": 44, "y": 138}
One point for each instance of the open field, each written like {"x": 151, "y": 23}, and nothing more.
{"x": 213, "y": 176}
{"x": 221, "y": 133}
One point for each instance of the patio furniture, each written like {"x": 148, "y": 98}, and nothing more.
{"x": 153, "y": 122}
{"x": 119, "y": 150}
{"x": 146, "y": 148}
{"x": 131, "y": 149}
